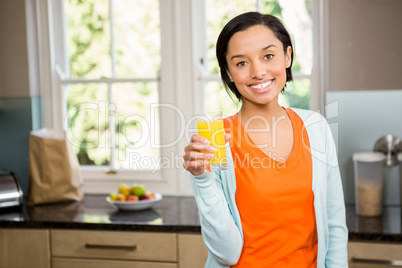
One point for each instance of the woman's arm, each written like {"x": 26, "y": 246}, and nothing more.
{"x": 338, "y": 233}
{"x": 219, "y": 230}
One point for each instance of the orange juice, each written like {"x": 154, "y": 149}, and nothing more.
{"x": 214, "y": 132}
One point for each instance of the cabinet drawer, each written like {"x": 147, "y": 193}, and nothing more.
{"x": 376, "y": 255}
{"x": 82, "y": 263}
{"x": 114, "y": 245}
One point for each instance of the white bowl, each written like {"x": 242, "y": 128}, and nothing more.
{"x": 135, "y": 205}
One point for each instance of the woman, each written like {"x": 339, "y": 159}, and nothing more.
{"x": 280, "y": 203}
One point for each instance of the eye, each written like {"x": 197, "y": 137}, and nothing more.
{"x": 268, "y": 56}
{"x": 241, "y": 64}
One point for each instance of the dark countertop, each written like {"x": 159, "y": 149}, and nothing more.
{"x": 385, "y": 228}
{"x": 172, "y": 214}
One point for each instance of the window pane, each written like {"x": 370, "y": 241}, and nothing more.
{"x": 87, "y": 123}
{"x": 273, "y": 7}
{"x": 219, "y": 12}
{"x": 297, "y": 94}
{"x": 137, "y": 37}
{"x": 296, "y": 16}
{"x": 137, "y": 126}
{"x": 217, "y": 99}
{"x": 88, "y": 38}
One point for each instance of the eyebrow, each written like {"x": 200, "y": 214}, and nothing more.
{"x": 265, "y": 48}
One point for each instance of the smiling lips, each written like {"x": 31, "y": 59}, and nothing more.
{"x": 262, "y": 87}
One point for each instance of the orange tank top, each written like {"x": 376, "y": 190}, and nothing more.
{"x": 275, "y": 200}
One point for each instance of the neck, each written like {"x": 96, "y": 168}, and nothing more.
{"x": 270, "y": 111}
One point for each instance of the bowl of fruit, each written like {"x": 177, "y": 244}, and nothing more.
{"x": 136, "y": 197}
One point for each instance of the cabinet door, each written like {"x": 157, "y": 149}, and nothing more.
{"x": 114, "y": 245}
{"x": 22, "y": 248}
{"x": 192, "y": 251}
{"x": 375, "y": 255}
{"x": 87, "y": 263}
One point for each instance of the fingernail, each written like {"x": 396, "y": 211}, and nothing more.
{"x": 213, "y": 149}
{"x": 206, "y": 141}
{"x": 210, "y": 156}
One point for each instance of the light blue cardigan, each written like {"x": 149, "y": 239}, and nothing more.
{"x": 220, "y": 220}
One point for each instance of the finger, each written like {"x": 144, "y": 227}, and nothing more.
{"x": 195, "y": 167}
{"x": 227, "y": 137}
{"x": 204, "y": 147}
{"x": 199, "y": 139}
{"x": 192, "y": 155}
{"x": 196, "y": 146}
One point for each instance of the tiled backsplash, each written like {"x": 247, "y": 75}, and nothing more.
{"x": 16, "y": 122}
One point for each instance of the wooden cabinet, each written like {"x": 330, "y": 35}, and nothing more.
{"x": 192, "y": 251}
{"x": 374, "y": 255}
{"x": 73, "y": 248}
{"x": 93, "y": 263}
{"x": 21, "y": 248}
{"x": 42, "y": 248}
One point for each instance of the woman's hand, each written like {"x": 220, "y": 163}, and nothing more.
{"x": 194, "y": 159}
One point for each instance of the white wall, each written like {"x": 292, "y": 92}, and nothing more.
{"x": 365, "y": 44}
{"x": 14, "y": 71}
{"x": 362, "y": 118}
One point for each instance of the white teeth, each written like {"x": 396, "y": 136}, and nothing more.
{"x": 261, "y": 86}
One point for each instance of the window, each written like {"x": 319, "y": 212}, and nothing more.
{"x": 112, "y": 81}
{"x": 124, "y": 78}
{"x": 109, "y": 77}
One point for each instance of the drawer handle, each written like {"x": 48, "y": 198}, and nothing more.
{"x": 97, "y": 246}
{"x": 374, "y": 261}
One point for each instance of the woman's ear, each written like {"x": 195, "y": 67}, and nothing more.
{"x": 288, "y": 57}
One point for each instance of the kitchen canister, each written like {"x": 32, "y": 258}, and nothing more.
{"x": 368, "y": 170}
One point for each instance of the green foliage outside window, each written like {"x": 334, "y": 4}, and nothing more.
{"x": 87, "y": 23}
{"x": 137, "y": 54}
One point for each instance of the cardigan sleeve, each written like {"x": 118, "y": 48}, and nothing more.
{"x": 329, "y": 201}
{"x": 338, "y": 234}
{"x": 219, "y": 231}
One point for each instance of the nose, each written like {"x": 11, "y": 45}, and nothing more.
{"x": 257, "y": 70}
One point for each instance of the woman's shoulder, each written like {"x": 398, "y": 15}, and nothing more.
{"x": 310, "y": 117}
{"x": 303, "y": 113}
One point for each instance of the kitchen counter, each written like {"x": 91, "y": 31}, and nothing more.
{"x": 385, "y": 228}
{"x": 172, "y": 214}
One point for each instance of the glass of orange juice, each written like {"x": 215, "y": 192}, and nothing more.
{"x": 210, "y": 126}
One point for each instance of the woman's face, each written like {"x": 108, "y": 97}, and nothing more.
{"x": 257, "y": 64}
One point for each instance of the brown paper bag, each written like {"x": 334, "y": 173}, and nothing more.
{"x": 54, "y": 174}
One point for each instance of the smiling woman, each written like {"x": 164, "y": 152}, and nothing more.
{"x": 265, "y": 202}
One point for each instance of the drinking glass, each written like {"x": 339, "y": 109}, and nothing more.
{"x": 210, "y": 126}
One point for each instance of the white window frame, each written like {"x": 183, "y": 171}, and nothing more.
{"x": 173, "y": 91}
